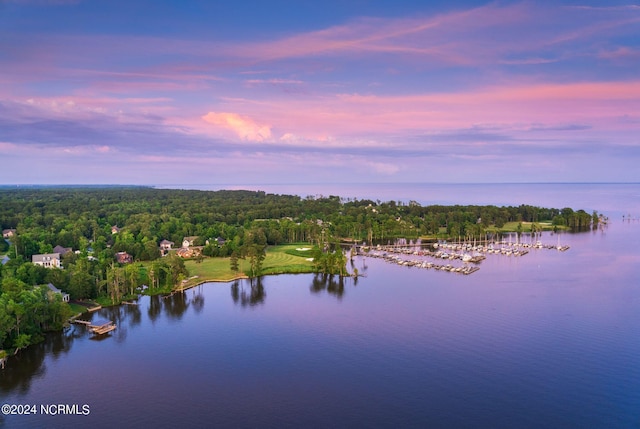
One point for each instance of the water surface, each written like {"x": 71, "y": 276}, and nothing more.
{"x": 550, "y": 339}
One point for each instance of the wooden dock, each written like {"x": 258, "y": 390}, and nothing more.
{"x": 101, "y": 327}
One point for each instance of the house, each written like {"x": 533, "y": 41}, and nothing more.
{"x": 115, "y": 229}
{"x": 47, "y": 260}
{"x": 219, "y": 241}
{"x": 166, "y": 245}
{"x": 124, "y": 258}
{"x": 188, "y": 241}
{"x": 187, "y": 252}
{"x": 8, "y": 233}
{"x": 62, "y": 250}
{"x": 55, "y": 290}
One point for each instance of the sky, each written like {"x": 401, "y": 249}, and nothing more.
{"x": 204, "y": 92}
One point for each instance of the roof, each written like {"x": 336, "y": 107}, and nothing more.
{"x": 123, "y": 257}
{"x": 100, "y": 322}
{"x": 45, "y": 257}
{"x": 166, "y": 242}
{"x": 62, "y": 250}
{"x": 53, "y": 288}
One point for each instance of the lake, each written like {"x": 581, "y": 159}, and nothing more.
{"x": 548, "y": 339}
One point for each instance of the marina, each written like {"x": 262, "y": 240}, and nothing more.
{"x": 459, "y": 251}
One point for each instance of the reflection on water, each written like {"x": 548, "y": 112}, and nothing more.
{"x": 248, "y": 295}
{"x": 334, "y": 285}
{"x": 29, "y": 365}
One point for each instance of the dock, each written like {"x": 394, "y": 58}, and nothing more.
{"x": 101, "y": 327}
{"x": 394, "y": 259}
{"x": 462, "y": 251}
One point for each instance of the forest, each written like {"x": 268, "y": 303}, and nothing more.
{"x": 98, "y": 223}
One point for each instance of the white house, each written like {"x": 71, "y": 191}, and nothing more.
{"x": 166, "y": 245}
{"x": 48, "y": 260}
{"x": 188, "y": 241}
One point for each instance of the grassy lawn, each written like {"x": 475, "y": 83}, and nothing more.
{"x": 507, "y": 227}
{"x": 526, "y": 226}
{"x": 288, "y": 258}
{"x": 279, "y": 260}
{"x": 77, "y": 308}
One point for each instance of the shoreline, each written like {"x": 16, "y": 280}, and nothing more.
{"x": 201, "y": 281}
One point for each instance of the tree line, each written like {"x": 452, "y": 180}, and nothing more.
{"x": 236, "y": 224}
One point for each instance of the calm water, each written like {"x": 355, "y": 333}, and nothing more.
{"x": 549, "y": 339}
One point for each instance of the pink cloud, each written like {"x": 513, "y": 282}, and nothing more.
{"x": 8, "y": 147}
{"x": 244, "y": 127}
{"x": 514, "y": 107}
{"x": 620, "y": 53}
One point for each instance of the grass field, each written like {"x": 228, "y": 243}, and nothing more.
{"x": 526, "y": 226}
{"x": 284, "y": 259}
{"x": 77, "y": 308}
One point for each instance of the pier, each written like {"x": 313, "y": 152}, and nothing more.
{"x": 101, "y": 327}
{"x": 98, "y": 327}
{"x": 395, "y": 259}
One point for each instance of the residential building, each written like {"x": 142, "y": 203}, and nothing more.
{"x": 55, "y": 290}
{"x": 47, "y": 260}
{"x": 8, "y": 233}
{"x": 62, "y": 250}
{"x": 188, "y": 241}
{"x": 166, "y": 245}
{"x": 124, "y": 258}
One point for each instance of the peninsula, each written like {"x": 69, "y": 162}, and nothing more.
{"x": 68, "y": 244}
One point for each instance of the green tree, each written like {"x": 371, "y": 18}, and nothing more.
{"x": 256, "y": 254}
{"x": 233, "y": 262}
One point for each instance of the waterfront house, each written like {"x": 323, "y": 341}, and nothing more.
{"x": 47, "y": 260}
{"x": 55, "y": 290}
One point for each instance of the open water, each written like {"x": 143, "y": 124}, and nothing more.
{"x": 548, "y": 339}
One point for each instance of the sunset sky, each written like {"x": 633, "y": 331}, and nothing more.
{"x": 190, "y": 92}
